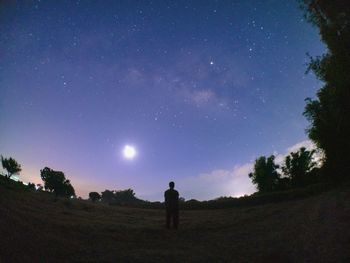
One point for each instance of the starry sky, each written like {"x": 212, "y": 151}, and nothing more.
{"x": 199, "y": 88}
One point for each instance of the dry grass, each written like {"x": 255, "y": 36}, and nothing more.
{"x": 34, "y": 227}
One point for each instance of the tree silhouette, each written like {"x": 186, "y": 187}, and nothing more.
{"x": 107, "y": 196}
{"x": 11, "y": 166}
{"x": 125, "y": 196}
{"x": 329, "y": 113}
{"x": 31, "y": 186}
{"x": 265, "y": 175}
{"x": 94, "y": 196}
{"x": 56, "y": 182}
{"x": 298, "y": 166}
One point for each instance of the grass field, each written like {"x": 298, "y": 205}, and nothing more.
{"x": 34, "y": 227}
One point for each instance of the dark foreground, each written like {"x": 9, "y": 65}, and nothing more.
{"x": 34, "y": 227}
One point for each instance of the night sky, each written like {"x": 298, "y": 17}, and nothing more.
{"x": 199, "y": 89}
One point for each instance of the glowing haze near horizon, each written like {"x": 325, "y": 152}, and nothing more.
{"x": 198, "y": 88}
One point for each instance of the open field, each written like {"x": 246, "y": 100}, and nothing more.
{"x": 34, "y": 227}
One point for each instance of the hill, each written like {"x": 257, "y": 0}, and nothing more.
{"x": 36, "y": 227}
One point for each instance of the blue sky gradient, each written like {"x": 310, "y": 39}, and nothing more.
{"x": 196, "y": 86}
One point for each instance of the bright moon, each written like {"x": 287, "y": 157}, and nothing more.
{"x": 129, "y": 152}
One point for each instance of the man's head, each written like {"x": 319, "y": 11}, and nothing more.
{"x": 172, "y": 185}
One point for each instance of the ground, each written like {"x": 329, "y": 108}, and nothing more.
{"x": 36, "y": 227}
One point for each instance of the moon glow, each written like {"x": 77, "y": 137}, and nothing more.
{"x": 129, "y": 152}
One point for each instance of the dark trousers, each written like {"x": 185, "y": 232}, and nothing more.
{"x": 172, "y": 215}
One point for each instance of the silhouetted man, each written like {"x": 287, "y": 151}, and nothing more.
{"x": 172, "y": 205}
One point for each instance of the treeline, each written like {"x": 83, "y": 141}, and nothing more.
{"x": 116, "y": 197}
{"x": 276, "y": 190}
{"x": 55, "y": 182}
{"x": 256, "y": 198}
{"x": 229, "y": 202}
{"x": 299, "y": 169}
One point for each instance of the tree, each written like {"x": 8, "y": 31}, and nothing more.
{"x": 125, "y": 196}
{"x": 298, "y": 166}
{"x": 94, "y": 196}
{"x": 56, "y": 182}
{"x": 31, "y": 186}
{"x": 68, "y": 190}
{"x": 329, "y": 113}
{"x": 107, "y": 196}
{"x": 265, "y": 175}
{"x": 11, "y": 166}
